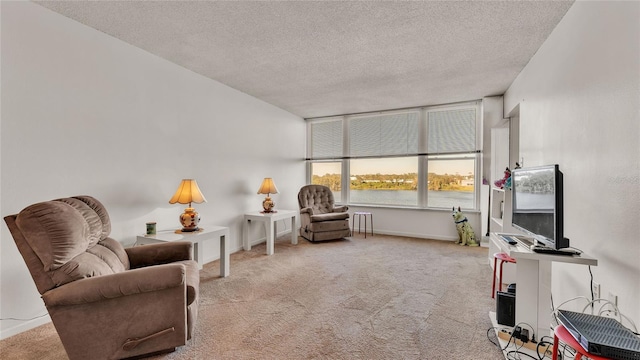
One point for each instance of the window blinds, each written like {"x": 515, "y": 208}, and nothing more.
{"x": 326, "y": 139}
{"x": 384, "y": 135}
{"x": 451, "y": 131}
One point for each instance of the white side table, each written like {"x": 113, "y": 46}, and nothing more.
{"x": 269, "y": 220}
{"x": 196, "y": 237}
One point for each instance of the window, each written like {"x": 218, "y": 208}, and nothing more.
{"x": 451, "y": 130}
{"x": 423, "y": 157}
{"x": 386, "y": 181}
{"x": 326, "y": 139}
{"x": 451, "y": 178}
{"x": 451, "y": 182}
{"x": 384, "y": 135}
{"x": 328, "y": 174}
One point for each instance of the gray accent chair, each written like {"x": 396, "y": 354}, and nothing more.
{"x": 105, "y": 301}
{"x": 320, "y": 220}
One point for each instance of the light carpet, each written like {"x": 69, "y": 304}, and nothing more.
{"x": 383, "y": 297}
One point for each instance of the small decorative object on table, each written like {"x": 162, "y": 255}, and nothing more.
{"x": 505, "y": 182}
{"x": 151, "y": 228}
{"x": 268, "y": 187}
{"x": 466, "y": 235}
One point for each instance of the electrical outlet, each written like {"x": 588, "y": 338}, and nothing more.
{"x": 595, "y": 289}
{"x": 613, "y": 298}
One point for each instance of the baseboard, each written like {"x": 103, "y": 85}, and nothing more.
{"x": 419, "y": 236}
{"x": 379, "y": 232}
{"x": 264, "y": 239}
{"x": 253, "y": 243}
{"x": 27, "y": 325}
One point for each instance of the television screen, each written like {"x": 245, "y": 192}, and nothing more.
{"x": 537, "y": 204}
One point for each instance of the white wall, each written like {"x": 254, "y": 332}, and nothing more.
{"x": 579, "y": 107}
{"x": 492, "y": 117}
{"x": 420, "y": 223}
{"x": 84, "y": 113}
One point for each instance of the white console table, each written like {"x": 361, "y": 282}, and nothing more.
{"x": 195, "y": 237}
{"x": 533, "y": 282}
{"x": 269, "y": 220}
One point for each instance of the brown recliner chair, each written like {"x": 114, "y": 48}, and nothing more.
{"x": 106, "y": 302}
{"x": 319, "y": 219}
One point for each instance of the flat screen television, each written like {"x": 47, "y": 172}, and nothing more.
{"x": 538, "y": 205}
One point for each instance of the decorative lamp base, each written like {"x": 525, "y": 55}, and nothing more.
{"x": 268, "y": 205}
{"x": 189, "y": 220}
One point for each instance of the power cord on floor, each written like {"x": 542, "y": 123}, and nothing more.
{"x": 497, "y": 341}
{"x": 18, "y": 319}
{"x": 591, "y": 286}
{"x": 493, "y": 330}
{"x": 542, "y": 347}
{"x": 543, "y": 343}
{"x": 515, "y": 355}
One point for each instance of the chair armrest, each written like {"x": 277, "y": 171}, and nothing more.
{"x": 342, "y": 208}
{"x": 156, "y": 254}
{"x": 130, "y": 282}
{"x": 306, "y": 210}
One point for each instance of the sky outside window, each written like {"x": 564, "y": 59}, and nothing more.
{"x": 399, "y": 165}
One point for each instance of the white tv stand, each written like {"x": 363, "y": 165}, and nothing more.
{"x": 533, "y": 282}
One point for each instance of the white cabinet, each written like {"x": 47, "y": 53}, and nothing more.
{"x": 500, "y": 200}
{"x": 500, "y": 214}
{"x": 501, "y": 223}
{"x": 499, "y": 152}
{"x": 500, "y": 210}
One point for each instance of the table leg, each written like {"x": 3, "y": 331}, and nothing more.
{"x": 275, "y": 231}
{"x": 245, "y": 235}
{"x": 353, "y": 224}
{"x": 365, "y": 226}
{"x": 224, "y": 256}
{"x": 294, "y": 235}
{"x": 533, "y": 300}
{"x": 555, "y": 346}
{"x": 270, "y": 239}
{"x": 197, "y": 254}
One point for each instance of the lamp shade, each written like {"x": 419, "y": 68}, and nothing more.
{"x": 268, "y": 187}
{"x": 188, "y": 192}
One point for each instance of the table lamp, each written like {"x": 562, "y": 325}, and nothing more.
{"x": 188, "y": 192}
{"x": 268, "y": 187}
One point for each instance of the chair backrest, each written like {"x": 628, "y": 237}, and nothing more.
{"x": 64, "y": 240}
{"x": 317, "y": 197}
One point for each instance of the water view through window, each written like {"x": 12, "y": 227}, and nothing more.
{"x": 394, "y": 181}
{"x": 450, "y": 183}
{"x": 387, "y": 181}
{"x": 328, "y": 174}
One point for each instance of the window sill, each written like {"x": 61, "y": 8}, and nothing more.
{"x": 399, "y": 207}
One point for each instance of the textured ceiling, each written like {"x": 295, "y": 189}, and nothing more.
{"x": 318, "y": 58}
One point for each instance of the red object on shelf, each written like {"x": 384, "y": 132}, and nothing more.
{"x": 502, "y": 257}
{"x": 560, "y": 333}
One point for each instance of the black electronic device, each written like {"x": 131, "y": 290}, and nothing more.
{"x": 509, "y": 239}
{"x": 506, "y": 308}
{"x": 551, "y": 251}
{"x": 603, "y": 336}
{"x": 537, "y": 207}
